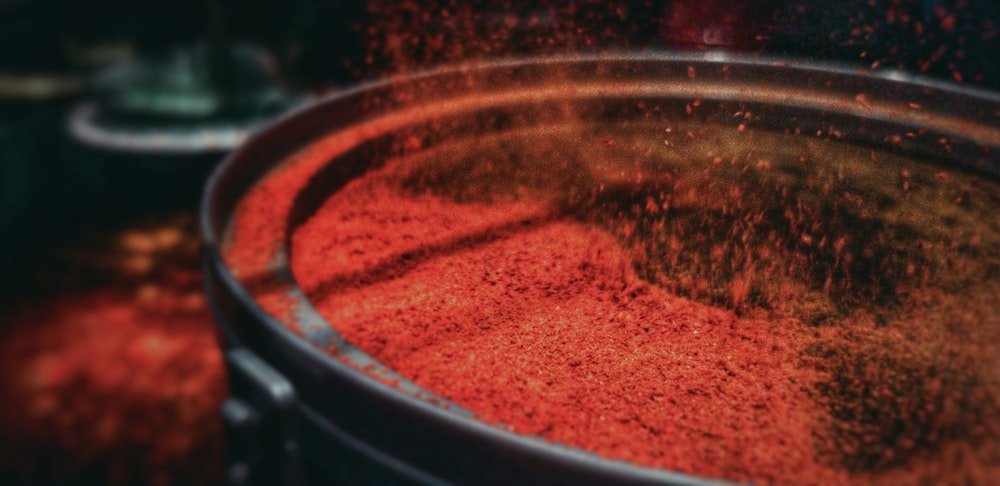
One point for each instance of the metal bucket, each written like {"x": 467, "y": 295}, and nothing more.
{"x": 299, "y": 415}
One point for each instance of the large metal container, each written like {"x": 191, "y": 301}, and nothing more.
{"x": 299, "y": 415}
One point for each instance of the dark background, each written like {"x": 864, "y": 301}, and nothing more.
{"x": 321, "y": 45}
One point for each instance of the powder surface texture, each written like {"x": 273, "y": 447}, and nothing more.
{"x": 538, "y": 323}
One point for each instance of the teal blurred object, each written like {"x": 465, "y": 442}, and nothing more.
{"x": 177, "y": 103}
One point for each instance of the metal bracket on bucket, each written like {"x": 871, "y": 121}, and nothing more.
{"x": 260, "y": 424}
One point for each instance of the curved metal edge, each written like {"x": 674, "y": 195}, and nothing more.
{"x": 713, "y": 57}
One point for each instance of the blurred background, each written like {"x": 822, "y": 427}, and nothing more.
{"x": 113, "y": 113}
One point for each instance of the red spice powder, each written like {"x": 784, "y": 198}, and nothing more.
{"x": 552, "y": 302}
{"x": 540, "y": 324}
{"x": 120, "y": 381}
{"x": 99, "y": 389}
{"x": 538, "y": 320}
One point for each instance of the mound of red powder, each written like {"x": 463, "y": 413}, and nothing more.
{"x": 539, "y": 323}
{"x": 552, "y": 301}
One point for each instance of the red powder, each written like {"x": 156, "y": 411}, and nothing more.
{"x": 118, "y": 382}
{"x": 552, "y": 301}
{"x": 549, "y": 320}
{"x": 540, "y": 324}
{"x": 111, "y": 392}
